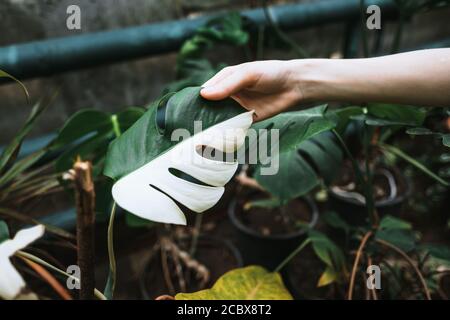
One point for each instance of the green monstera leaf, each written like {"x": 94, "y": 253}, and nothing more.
{"x": 305, "y": 153}
{"x": 249, "y": 283}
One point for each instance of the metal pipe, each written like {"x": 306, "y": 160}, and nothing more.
{"x": 52, "y": 56}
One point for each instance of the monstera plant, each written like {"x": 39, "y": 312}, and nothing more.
{"x": 148, "y": 139}
{"x": 154, "y": 172}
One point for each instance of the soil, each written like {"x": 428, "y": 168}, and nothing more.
{"x": 272, "y": 221}
{"x": 380, "y": 184}
{"x": 213, "y": 254}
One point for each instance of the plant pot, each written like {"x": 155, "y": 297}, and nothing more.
{"x": 354, "y": 212}
{"x": 302, "y": 275}
{"x": 268, "y": 250}
{"x": 217, "y": 255}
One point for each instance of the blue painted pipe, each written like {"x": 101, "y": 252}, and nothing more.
{"x": 52, "y": 56}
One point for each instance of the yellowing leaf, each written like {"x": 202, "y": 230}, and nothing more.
{"x": 249, "y": 283}
{"x": 328, "y": 277}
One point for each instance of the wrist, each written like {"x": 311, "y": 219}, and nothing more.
{"x": 309, "y": 79}
{"x": 322, "y": 80}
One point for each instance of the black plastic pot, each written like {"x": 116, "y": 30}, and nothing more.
{"x": 355, "y": 213}
{"x": 268, "y": 250}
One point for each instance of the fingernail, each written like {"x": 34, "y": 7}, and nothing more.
{"x": 206, "y": 90}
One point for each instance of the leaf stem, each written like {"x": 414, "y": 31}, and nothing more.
{"x": 116, "y": 126}
{"x": 399, "y": 153}
{"x": 358, "y": 172}
{"x": 111, "y": 283}
{"x": 356, "y": 263}
{"x": 38, "y": 260}
{"x": 410, "y": 262}
{"x": 292, "y": 255}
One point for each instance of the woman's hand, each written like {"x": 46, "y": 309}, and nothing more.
{"x": 268, "y": 87}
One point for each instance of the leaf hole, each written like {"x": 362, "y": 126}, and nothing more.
{"x": 187, "y": 177}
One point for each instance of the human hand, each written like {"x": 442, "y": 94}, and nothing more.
{"x": 267, "y": 87}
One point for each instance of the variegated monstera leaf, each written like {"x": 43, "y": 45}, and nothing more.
{"x": 148, "y": 156}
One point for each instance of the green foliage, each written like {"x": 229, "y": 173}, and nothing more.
{"x": 392, "y": 115}
{"x": 438, "y": 251}
{"x": 390, "y": 222}
{"x": 249, "y": 283}
{"x": 327, "y": 250}
{"x": 300, "y": 143}
{"x": 4, "y": 231}
{"x": 403, "y": 239}
{"x": 269, "y": 203}
{"x": 334, "y": 220}
{"x": 402, "y": 155}
{"x": 330, "y": 254}
{"x": 87, "y": 134}
{"x": 420, "y": 131}
{"x": 397, "y": 232}
{"x": 10, "y": 153}
{"x": 192, "y": 68}
{"x": 226, "y": 29}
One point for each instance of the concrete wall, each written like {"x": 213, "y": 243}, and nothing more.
{"x": 139, "y": 82}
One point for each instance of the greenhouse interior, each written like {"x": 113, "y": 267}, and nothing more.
{"x": 224, "y": 150}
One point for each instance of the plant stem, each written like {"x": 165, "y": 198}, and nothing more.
{"x": 38, "y": 260}
{"x": 358, "y": 173}
{"x": 399, "y": 153}
{"x": 112, "y": 276}
{"x": 368, "y": 189}
{"x": 292, "y": 255}
{"x": 48, "y": 278}
{"x": 356, "y": 263}
{"x": 411, "y": 262}
{"x": 111, "y": 283}
{"x": 85, "y": 204}
{"x": 116, "y": 126}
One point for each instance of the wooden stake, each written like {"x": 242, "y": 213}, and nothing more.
{"x": 85, "y": 202}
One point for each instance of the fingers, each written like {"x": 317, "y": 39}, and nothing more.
{"x": 225, "y": 72}
{"x": 224, "y": 85}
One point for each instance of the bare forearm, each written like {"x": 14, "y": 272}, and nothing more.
{"x": 418, "y": 77}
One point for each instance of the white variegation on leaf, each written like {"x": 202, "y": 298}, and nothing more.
{"x": 138, "y": 191}
{"x": 11, "y": 282}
